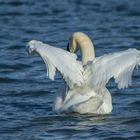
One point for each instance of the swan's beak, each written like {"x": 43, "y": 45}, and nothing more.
{"x": 68, "y": 49}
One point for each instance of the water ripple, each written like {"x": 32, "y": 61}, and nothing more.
{"x": 26, "y": 96}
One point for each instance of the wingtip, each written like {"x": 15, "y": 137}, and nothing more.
{"x": 30, "y": 47}
{"x": 32, "y": 42}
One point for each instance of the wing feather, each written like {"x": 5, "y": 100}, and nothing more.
{"x": 56, "y": 58}
{"x": 118, "y": 65}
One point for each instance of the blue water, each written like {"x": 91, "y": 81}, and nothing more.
{"x": 26, "y": 95}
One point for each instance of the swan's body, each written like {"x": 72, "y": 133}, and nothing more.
{"x": 84, "y": 88}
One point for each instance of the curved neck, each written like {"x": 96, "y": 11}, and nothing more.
{"x": 83, "y": 42}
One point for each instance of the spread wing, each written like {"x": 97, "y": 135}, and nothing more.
{"x": 118, "y": 65}
{"x": 56, "y": 58}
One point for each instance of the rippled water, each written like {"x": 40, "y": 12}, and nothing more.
{"x": 26, "y": 96}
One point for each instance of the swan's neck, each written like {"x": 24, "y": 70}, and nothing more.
{"x": 83, "y": 42}
{"x": 87, "y": 52}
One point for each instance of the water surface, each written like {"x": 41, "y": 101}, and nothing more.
{"x": 26, "y": 96}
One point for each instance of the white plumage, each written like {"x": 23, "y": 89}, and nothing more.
{"x": 84, "y": 88}
{"x": 116, "y": 65}
{"x": 64, "y": 61}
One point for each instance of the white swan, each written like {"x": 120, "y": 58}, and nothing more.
{"x": 84, "y": 88}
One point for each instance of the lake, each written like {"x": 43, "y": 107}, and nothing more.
{"x": 26, "y": 95}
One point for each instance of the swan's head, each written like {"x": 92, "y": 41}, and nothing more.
{"x": 72, "y": 45}
{"x": 81, "y": 41}
{"x": 78, "y": 40}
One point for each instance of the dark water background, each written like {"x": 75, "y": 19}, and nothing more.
{"x": 26, "y": 96}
